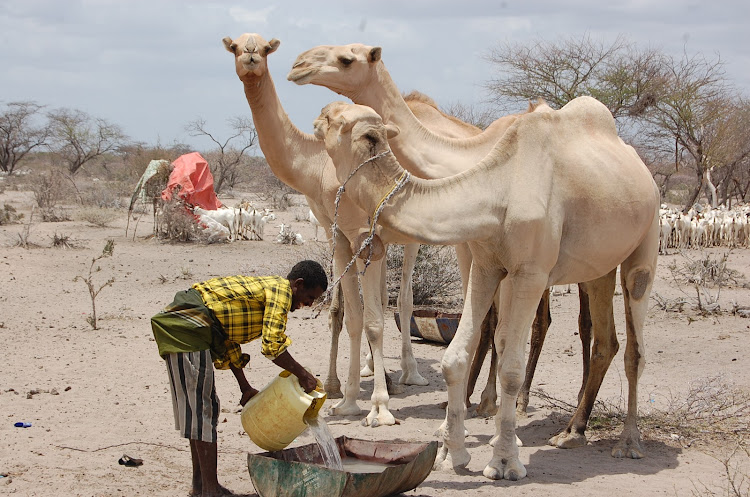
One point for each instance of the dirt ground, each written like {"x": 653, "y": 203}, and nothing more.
{"x": 93, "y": 395}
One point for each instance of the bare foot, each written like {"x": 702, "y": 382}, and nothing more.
{"x": 221, "y": 492}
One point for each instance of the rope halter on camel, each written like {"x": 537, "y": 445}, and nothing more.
{"x": 399, "y": 184}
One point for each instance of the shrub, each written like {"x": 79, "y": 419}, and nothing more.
{"x": 436, "y": 279}
{"x": 8, "y": 215}
{"x": 174, "y": 222}
{"x": 97, "y": 216}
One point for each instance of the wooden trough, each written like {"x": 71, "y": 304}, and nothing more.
{"x": 299, "y": 471}
{"x": 432, "y": 325}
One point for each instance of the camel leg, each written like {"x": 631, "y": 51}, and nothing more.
{"x": 455, "y": 364}
{"x": 600, "y": 292}
{"x": 373, "y": 325}
{"x": 584, "y": 333}
{"x": 636, "y": 277}
{"x": 332, "y": 385}
{"x": 409, "y": 370}
{"x": 519, "y": 298}
{"x": 486, "y": 337}
{"x": 353, "y": 321}
{"x": 542, "y": 322}
{"x": 488, "y": 401}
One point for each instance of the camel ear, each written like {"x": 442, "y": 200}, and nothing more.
{"x": 374, "y": 54}
{"x": 347, "y": 126}
{"x": 228, "y": 44}
{"x": 391, "y": 130}
{"x": 272, "y": 46}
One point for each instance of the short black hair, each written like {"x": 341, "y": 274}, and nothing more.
{"x": 311, "y": 273}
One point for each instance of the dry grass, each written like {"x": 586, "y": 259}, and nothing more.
{"x": 97, "y": 216}
{"x": 9, "y": 215}
{"x": 710, "y": 410}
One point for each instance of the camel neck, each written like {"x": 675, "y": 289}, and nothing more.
{"x": 296, "y": 158}
{"x": 419, "y": 150}
{"x": 425, "y": 211}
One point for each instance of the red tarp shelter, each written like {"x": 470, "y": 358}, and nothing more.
{"x": 191, "y": 173}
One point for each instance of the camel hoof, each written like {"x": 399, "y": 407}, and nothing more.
{"x": 509, "y": 470}
{"x": 413, "y": 379}
{"x": 366, "y": 372}
{"x": 333, "y": 389}
{"x": 568, "y": 440}
{"x": 453, "y": 464}
{"x": 623, "y": 450}
{"x": 486, "y": 409}
{"x": 344, "y": 410}
{"x": 394, "y": 388}
{"x": 386, "y": 419}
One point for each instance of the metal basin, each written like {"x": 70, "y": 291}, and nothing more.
{"x": 432, "y": 325}
{"x": 299, "y": 471}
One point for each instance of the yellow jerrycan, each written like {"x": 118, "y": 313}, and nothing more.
{"x": 274, "y": 417}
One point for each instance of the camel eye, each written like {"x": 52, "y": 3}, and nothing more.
{"x": 346, "y": 61}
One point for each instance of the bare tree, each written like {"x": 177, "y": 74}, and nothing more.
{"x": 698, "y": 118}
{"x": 479, "y": 117}
{"x": 18, "y": 133}
{"x": 78, "y": 138}
{"x": 624, "y": 78}
{"x": 228, "y": 156}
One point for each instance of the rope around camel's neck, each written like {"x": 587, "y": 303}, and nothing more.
{"x": 400, "y": 182}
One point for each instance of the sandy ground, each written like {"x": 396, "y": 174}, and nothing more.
{"x": 94, "y": 395}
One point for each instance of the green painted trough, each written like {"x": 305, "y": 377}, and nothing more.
{"x": 371, "y": 469}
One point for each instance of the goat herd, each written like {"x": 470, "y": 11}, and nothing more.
{"x": 700, "y": 227}
{"x": 234, "y": 223}
{"x": 703, "y": 227}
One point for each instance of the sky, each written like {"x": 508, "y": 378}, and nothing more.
{"x": 153, "y": 66}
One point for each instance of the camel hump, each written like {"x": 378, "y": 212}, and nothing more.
{"x": 591, "y": 113}
{"x": 417, "y": 96}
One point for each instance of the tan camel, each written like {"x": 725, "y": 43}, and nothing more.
{"x": 358, "y": 72}
{"x": 300, "y": 161}
{"x": 560, "y": 199}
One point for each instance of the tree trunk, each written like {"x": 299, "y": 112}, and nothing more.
{"x": 711, "y": 187}
{"x": 693, "y": 197}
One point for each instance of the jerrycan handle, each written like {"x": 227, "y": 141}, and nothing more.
{"x": 318, "y": 388}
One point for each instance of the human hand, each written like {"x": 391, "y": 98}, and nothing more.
{"x": 307, "y": 381}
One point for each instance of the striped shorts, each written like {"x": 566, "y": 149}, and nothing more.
{"x": 196, "y": 406}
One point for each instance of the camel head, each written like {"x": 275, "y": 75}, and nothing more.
{"x": 250, "y": 51}
{"x": 342, "y": 68}
{"x": 352, "y": 134}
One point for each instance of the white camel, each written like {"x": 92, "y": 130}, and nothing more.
{"x": 442, "y": 148}
{"x": 300, "y": 161}
{"x": 560, "y": 199}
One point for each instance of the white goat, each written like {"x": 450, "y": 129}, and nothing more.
{"x": 213, "y": 229}
{"x": 225, "y": 216}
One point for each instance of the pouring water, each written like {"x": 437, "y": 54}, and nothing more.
{"x": 328, "y": 448}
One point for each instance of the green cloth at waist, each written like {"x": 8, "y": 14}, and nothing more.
{"x": 187, "y": 325}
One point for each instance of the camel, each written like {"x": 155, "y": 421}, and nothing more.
{"x": 358, "y": 72}
{"x": 301, "y": 161}
{"x": 559, "y": 199}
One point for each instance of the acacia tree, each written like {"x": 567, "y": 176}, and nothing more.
{"x": 620, "y": 75}
{"x": 480, "y": 117}
{"x": 19, "y": 134}
{"x": 78, "y": 138}
{"x": 699, "y": 119}
{"x": 230, "y": 153}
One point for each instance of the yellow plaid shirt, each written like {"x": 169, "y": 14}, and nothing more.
{"x": 249, "y": 308}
